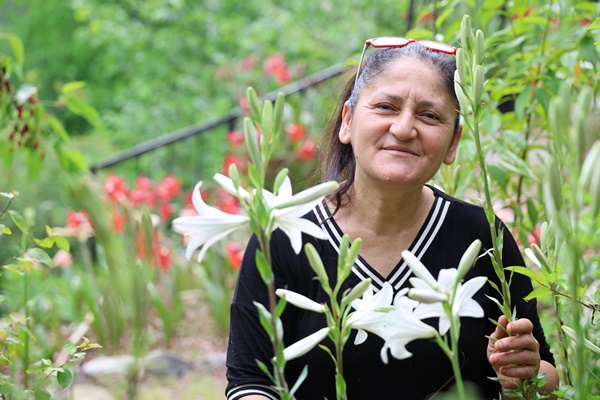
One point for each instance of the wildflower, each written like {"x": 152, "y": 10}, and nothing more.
{"x": 295, "y": 132}
{"x": 370, "y": 314}
{"x": 303, "y": 346}
{"x": 234, "y": 254}
{"x": 403, "y": 325}
{"x": 115, "y": 188}
{"x": 235, "y": 138}
{"x": 288, "y": 210}
{"x": 62, "y": 259}
{"x": 308, "y": 149}
{"x": 285, "y": 211}
{"x": 462, "y": 303}
{"x": 208, "y": 227}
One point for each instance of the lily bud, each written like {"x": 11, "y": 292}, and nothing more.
{"x": 554, "y": 185}
{"x": 300, "y": 301}
{"x": 310, "y": 194}
{"x": 590, "y": 164}
{"x": 427, "y": 296}
{"x": 573, "y": 335}
{"x": 303, "y": 346}
{"x": 467, "y": 259}
{"x": 466, "y": 33}
{"x": 479, "y": 47}
{"x": 463, "y": 101}
{"x": 461, "y": 66}
{"x": 478, "y": 81}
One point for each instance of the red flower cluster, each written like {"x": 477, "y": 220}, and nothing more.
{"x": 276, "y": 66}
{"x": 156, "y": 197}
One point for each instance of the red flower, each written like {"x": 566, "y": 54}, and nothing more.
{"x": 295, "y": 132}
{"x": 77, "y": 219}
{"x": 115, "y": 188}
{"x": 248, "y": 63}
{"x": 165, "y": 210}
{"x": 276, "y": 66}
{"x": 308, "y": 149}
{"x": 227, "y": 203}
{"x": 244, "y": 105}
{"x": 235, "y": 138}
{"x": 118, "y": 221}
{"x": 143, "y": 182}
{"x": 142, "y": 196}
{"x": 168, "y": 188}
{"x": 534, "y": 237}
{"x": 231, "y": 159}
{"x": 274, "y": 63}
{"x": 235, "y": 254}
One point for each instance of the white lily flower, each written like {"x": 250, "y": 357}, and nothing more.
{"x": 208, "y": 227}
{"x": 370, "y": 315}
{"x": 303, "y": 346}
{"x": 288, "y": 209}
{"x": 462, "y": 303}
{"x": 300, "y": 301}
{"x": 402, "y": 327}
{"x": 419, "y": 269}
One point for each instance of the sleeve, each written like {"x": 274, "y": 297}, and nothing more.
{"x": 521, "y": 287}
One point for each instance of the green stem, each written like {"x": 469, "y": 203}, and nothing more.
{"x": 27, "y": 324}
{"x": 265, "y": 245}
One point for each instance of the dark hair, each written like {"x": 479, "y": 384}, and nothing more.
{"x": 337, "y": 159}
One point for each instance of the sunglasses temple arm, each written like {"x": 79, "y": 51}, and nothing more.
{"x": 362, "y": 56}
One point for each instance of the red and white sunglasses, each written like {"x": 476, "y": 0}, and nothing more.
{"x": 392, "y": 41}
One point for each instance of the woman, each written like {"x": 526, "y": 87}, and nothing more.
{"x": 393, "y": 128}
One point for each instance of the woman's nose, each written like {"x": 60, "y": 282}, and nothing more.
{"x": 403, "y": 125}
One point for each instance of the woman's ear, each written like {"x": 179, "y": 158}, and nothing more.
{"x": 451, "y": 153}
{"x": 344, "y": 134}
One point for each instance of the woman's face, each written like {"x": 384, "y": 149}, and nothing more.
{"x": 401, "y": 130}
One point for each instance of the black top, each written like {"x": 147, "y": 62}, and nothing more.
{"x": 451, "y": 226}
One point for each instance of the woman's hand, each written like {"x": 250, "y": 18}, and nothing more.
{"x": 514, "y": 355}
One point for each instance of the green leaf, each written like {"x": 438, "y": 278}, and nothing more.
{"x": 70, "y": 348}
{"x": 15, "y": 269}
{"x": 19, "y": 221}
{"x": 16, "y": 46}
{"x": 541, "y": 291}
{"x": 57, "y": 127}
{"x": 40, "y": 256}
{"x": 4, "y": 230}
{"x": 64, "y": 378}
{"x": 41, "y": 394}
{"x": 498, "y": 175}
{"x": 62, "y": 243}
{"x": 522, "y": 270}
{"x": 46, "y": 243}
{"x": 71, "y": 87}
{"x": 263, "y": 267}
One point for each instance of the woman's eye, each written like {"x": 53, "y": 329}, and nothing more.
{"x": 431, "y": 116}
{"x": 384, "y": 106}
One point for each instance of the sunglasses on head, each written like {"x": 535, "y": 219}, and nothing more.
{"x": 398, "y": 42}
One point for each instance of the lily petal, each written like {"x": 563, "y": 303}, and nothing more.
{"x": 419, "y": 269}
{"x": 303, "y": 346}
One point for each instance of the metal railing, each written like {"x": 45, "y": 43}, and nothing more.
{"x": 228, "y": 119}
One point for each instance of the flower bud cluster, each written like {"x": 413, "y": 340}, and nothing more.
{"x": 20, "y": 111}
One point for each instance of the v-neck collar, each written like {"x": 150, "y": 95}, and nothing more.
{"x": 419, "y": 246}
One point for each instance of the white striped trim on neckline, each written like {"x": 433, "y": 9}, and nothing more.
{"x": 363, "y": 271}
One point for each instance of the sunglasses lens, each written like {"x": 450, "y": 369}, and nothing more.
{"x": 388, "y": 41}
{"x": 444, "y": 48}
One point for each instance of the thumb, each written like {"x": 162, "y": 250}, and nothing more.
{"x": 500, "y": 331}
